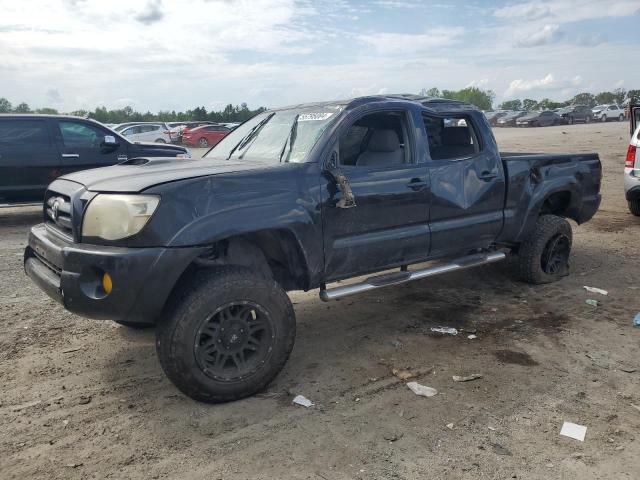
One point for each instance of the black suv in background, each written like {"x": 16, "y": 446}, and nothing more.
{"x": 36, "y": 149}
{"x": 576, "y": 113}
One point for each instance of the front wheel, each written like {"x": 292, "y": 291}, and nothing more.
{"x": 544, "y": 255}
{"x": 226, "y": 334}
{"x": 634, "y": 207}
{"x": 603, "y": 118}
{"x": 203, "y": 142}
{"x": 620, "y": 117}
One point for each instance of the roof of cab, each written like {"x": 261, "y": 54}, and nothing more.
{"x": 432, "y": 103}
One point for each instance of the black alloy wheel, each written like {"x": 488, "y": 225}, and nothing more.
{"x": 235, "y": 341}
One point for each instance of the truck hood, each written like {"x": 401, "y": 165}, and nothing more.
{"x": 138, "y": 174}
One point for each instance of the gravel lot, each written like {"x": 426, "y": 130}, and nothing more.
{"x": 87, "y": 399}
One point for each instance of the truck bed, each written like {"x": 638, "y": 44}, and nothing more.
{"x": 571, "y": 180}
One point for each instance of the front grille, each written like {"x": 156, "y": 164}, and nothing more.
{"x": 57, "y": 213}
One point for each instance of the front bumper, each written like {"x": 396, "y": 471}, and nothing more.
{"x": 71, "y": 274}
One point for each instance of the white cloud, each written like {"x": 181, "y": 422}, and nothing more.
{"x": 406, "y": 43}
{"x": 524, "y": 11}
{"x": 548, "y": 34}
{"x": 548, "y": 82}
{"x": 564, "y": 11}
{"x": 482, "y": 83}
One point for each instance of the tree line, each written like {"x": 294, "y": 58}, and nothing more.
{"x": 231, "y": 113}
{"x": 483, "y": 99}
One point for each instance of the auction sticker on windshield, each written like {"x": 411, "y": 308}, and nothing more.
{"x": 308, "y": 117}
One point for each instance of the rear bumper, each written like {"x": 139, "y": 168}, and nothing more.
{"x": 72, "y": 273}
{"x": 632, "y": 183}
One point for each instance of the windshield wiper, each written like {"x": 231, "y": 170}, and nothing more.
{"x": 252, "y": 133}
{"x": 291, "y": 138}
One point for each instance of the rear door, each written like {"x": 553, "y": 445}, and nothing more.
{"x": 81, "y": 146}
{"x": 29, "y": 160}
{"x": 467, "y": 184}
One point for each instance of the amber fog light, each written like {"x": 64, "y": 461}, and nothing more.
{"x": 95, "y": 283}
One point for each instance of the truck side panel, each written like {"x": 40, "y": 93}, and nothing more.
{"x": 534, "y": 178}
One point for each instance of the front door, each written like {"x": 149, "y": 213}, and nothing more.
{"x": 82, "y": 146}
{"x": 467, "y": 185}
{"x": 388, "y": 225}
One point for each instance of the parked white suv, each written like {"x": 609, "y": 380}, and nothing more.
{"x": 632, "y": 173}
{"x": 147, "y": 132}
{"x": 604, "y": 113}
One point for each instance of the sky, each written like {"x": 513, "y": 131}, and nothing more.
{"x": 177, "y": 54}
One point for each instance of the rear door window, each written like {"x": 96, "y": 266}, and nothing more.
{"x": 23, "y": 133}
{"x": 451, "y": 138}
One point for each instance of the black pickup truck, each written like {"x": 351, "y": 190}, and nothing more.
{"x": 36, "y": 149}
{"x": 295, "y": 199}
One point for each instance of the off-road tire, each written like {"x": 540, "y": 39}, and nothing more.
{"x": 134, "y": 325}
{"x": 532, "y": 253}
{"x": 634, "y": 207}
{"x": 188, "y": 309}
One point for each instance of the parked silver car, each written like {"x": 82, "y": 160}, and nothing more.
{"x": 147, "y": 132}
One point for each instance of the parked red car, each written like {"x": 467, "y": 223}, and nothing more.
{"x": 204, "y": 136}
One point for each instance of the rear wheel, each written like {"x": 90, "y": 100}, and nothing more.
{"x": 634, "y": 207}
{"x": 226, "y": 334}
{"x": 544, "y": 255}
{"x": 203, "y": 142}
{"x": 621, "y": 117}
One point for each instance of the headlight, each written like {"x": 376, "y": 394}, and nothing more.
{"x": 113, "y": 217}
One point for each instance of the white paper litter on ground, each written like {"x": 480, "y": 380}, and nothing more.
{"x": 573, "y": 430}
{"x": 422, "y": 390}
{"x": 596, "y": 290}
{"x": 472, "y": 336}
{"x": 445, "y": 330}
{"x": 304, "y": 401}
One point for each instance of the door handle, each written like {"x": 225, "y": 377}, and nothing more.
{"x": 486, "y": 175}
{"x": 417, "y": 184}
{"x": 70, "y": 155}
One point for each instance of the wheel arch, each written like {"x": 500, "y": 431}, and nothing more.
{"x": 275, "y": 253}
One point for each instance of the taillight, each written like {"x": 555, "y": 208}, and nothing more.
{"x": 631, "y": 157}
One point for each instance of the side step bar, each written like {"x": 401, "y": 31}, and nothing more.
{"x": 397, "y": 278}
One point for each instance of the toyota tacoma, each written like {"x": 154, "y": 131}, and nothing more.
{"x": 299, "y": 198}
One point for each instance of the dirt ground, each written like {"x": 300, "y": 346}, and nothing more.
{"x": 87, "y": 399}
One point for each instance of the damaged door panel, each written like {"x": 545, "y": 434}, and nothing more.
{"x": 467, "y": 186}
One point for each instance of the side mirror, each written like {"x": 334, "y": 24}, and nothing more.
{"x": 348, "y": 200}
{"x": 109, "y": 143}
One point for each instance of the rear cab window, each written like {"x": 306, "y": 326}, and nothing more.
{"x": 451, "y": 137}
